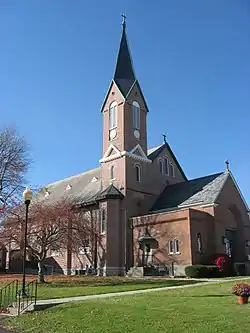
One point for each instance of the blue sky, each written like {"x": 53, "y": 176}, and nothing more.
{"x": 192, "y": 59}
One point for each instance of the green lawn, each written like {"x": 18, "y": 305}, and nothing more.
{"x": 63, "y": 286}
{"x": 201, "y": 309}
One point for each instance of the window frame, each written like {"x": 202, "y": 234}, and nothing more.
{"x": 137, "y": 173}
{"x": 136, "y": 115}
{"x": 174, "y": 246}
{"x": 171, "y": 166}
{"x": 161, "y": 165}
{"x": 113, "y": 115}
{"x": 103, "y": 217}
{"x": 166, "y": 162}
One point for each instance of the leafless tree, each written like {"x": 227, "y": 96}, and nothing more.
{"x": 46, "y": 230}
{"x": 14, "y": 163}
{"x": 86, "y": 237}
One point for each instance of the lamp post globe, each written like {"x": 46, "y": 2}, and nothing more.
{"x": 27, "y": 197}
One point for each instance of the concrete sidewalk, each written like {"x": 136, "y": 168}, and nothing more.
{"x": 43, "y": 304}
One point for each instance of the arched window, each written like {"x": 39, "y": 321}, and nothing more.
{"x": 171, "y": 167}
{"x": 113, "y": 115}
{"x": 112, "y": 173}
{"x": 166, "y": 165}
{"x": 138, "y": 173}
{"x": 136, "y": 115}
{"x": 176, "y": 246}
{"x": 103, "y": 221}
{"x": 161, "y": 166}
{"x": 199, "y": 243}
{"x": 170, "y": 247}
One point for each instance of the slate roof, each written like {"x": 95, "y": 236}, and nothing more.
{"x": 202, "y": 190}
{"x": 83, "y": 187}
{"x": 110, "y": 192}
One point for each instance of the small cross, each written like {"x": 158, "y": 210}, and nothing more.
{"x": 124, "y": 19}
{"x": 227, "y": 165}
{"x": 164, "y": 138}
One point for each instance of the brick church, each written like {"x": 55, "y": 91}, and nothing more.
{"x": 149, "y": 213}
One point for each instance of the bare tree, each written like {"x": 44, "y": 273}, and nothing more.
{"x": 14, "y": 163}
{"x": 86, "y": 237}
{"x": 46, "y": 230}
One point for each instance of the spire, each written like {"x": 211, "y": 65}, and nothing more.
{"x": 124, "y": 75}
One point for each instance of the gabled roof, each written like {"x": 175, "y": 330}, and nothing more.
{"x": 154, "y": 152}
{"x": 111, "y": 192}
{"x": 204, "y": 190}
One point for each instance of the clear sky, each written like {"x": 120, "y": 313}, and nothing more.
{"x": 192, "y": 59}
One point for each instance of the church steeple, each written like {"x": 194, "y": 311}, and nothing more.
{"x": 124, "y": 75}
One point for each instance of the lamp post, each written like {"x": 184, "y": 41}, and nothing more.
{"x": 27, "y": 196}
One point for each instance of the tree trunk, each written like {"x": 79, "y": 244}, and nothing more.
{"x": 40, "y": 276}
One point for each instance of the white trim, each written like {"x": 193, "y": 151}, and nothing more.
{"x": 136, "y": 157}
{"x": 209, "y": 205}
{"x": 109, "y": 150}
{"x": 107, "y": 94}
{"x": 120, "y": 154}
{"x": 190, "y": 205}
{"x": 140, "y": 150}
{"x": 131, "y": 88}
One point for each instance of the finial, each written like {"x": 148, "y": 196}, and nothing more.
{"x": 164, "y": 138}
{"x": 124, "y": 20}
{"x": 227, "y": 165}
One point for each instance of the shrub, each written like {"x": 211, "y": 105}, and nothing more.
{"x": 241, "y": 289}
{"x": 201, "y": 271}
{"x": 195, "y": 271}
{"x": 223, "y": 262}
{"x": 240, "y": 269}
{"x": 212, "y": 271}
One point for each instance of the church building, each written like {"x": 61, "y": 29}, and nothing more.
{"x": 149, "y": 213}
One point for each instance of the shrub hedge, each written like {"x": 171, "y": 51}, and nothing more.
{"x": 202, "y": 271}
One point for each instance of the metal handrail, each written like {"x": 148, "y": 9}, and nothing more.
{"x": 8, "y": 295}
{"x": 30, "y": 298}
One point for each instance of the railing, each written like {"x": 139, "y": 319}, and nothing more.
{"x": 154, "y": 266}
{"x": 30, "y": 296}
{"x": 8, "y": 295}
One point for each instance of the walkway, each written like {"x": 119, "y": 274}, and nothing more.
{"x": 42, "y": 304}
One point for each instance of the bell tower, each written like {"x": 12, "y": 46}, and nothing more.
{"x": 124, "y": 122}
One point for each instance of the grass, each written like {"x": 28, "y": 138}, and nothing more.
{"x": 61, "y": 286}
{"x": 206, "y": 309}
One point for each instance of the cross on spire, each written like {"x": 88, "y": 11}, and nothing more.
{"x": 164, "y": 138}
{"x": 124, "y": 20}
{"x": 227, "y": 165}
